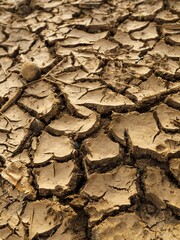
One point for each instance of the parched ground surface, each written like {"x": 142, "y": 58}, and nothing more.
{"x": 91, "y": 150}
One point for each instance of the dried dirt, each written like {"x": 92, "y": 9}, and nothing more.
{"x": 89, "y": 120}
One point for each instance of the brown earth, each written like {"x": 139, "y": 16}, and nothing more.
{"x": 89, "y": 120}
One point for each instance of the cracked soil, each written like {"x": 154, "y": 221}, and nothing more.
{"x": 89, "y": 120}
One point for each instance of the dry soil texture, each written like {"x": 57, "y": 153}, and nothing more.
{"x": 89, "y": 120}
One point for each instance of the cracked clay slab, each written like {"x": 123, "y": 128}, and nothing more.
{"x": 9, "y": 87}
{"x": 149, "y": 90}
{"x": 172, "y": 52}
{"x": 144, "y": 135}
{"x": 96, "y": 96}
{"x": 76, "y": 37}
{"x": 124, "y": 39}
{"x": 18, "y": 175}
{"x": 159, "y": 190}
{"x": 40, "y": 100}
{"x": 174, "y": 167}
{"x": 122, "y": 226}
{"x": 57, "y": 178}
{"x": 131, "y": 26}
{"x": 109, "y": 191}
{"x": 168, "y": 117}
{"x": 148, "y": 33}
{"x": 14, "y": 125}
{"x": 70, "y": 125}
{"x": 52, "y": 147}
{"x": 130, "y": 226}
{"x": 98, "y": 154}
{"x": 19, "y": 37}
{"x": 173, "y": 100}
{"x": 41, "y": 55}
{"x": 11, "y": 206}
{"x": 45, "y": 216}
{"x": 147, "y": 9}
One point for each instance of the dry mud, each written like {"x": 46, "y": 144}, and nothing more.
{"x": 89, "y": 120}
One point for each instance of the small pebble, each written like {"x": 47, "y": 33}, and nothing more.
{"x": 30, "y": 71}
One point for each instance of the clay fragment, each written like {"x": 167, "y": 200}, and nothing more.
{"x": 50, "y": 147}
{"x": 149, "y": 90}
{"x": 109, "y": 191}
{"x": 3, "y": 52}
{"x": 148, "y": 33}
{"x": 41, "y": 55}
{"x": 170, "y": 28}
{"x": 88, "y": 3}
{"x": 174, "y": 6}
{"x": 166, "y": 16}
{"x": 122, "y": 226}
{"x": 89, "y": 62}
{"x": 83, "y": 38}
{"x": 68, "y": 11}
{"x": 143, "y": 122}
{"x": 36, "y": 27}
{"x": 168, "y": 118}
{"x": 103, "y": 46}
{"x": 5, "y": 63}
{"x": 9, "y": 86}
{"x": 171, "y": 52}
{"x": 17, "y": 174}
{"x": 147, "y": 10}
{"x": 11, "y": 206}
{"x": 20, "y": 38}
{"x": 124, "y": 39}
{"x": 22, "y": 157}
{"x": 95, "y": 95}
{"x": 173, "y": 39}
{"x": 30, "y": 71}
{"x": 45, "y": 216}
{"x": 39, "y": 89}
{"x": 131, "y": 26}
{"x": 70, "y": 125}
{"x": 140, "y": 71}
{"x": 131, "y": 226}
{"x": 168, "y": 69}
{"x": 173, "y": 100}
{"x": 5, "y": 232}
{"x": 167, "y": 230}
{"x": 57, "y": 178}
{"x": 2, "y": 36}
{"x": 174, "y": 167}
{"x": 40, "y": 100}
{"x": 100, "y": 156}
{"x": 145, "y": 137}
{"x": 159, "y": 190}
{"x": 14, "y": 125}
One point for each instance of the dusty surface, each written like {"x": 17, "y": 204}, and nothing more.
{"x": 89, "y": 120}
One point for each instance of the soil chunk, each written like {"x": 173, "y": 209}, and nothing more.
{"x": 30, "y": 71}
